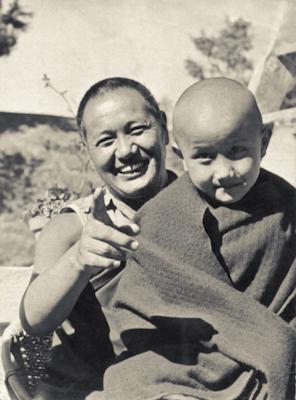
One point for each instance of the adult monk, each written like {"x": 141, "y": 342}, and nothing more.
{"x": 80, "y": 254}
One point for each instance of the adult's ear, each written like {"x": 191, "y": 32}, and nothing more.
{"x": 82, "y": 135}
{"x": 164, "y": 125}
{"x": 81, "y": 143}
{"x": 179, "y": 154}
{"x": 266, "y": 133}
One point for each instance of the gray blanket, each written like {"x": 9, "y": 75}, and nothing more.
{"x": 207, "y": 305}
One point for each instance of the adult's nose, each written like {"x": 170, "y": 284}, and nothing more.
{"x": 125, "y": 147}
{"x": 223, "y": 168}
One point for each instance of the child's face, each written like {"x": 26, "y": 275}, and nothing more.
{"x": 223, "y": 158}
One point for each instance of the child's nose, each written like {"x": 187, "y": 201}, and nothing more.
{"x": 223, "y": 168}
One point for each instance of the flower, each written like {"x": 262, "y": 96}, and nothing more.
{"x": 51, "y": 203}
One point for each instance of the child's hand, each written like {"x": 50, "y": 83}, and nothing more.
{"x": 102, "y": 245}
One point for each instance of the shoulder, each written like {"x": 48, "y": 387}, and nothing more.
{"x": 80, "y": 206}
{"x": 274, "y": 179}
{"x": 58, "y": 235}
{"x": 63, "y": 226}
{"x": 277, "y": 191}
{"x": 178, "y": 204}
{"x": 273, "y": 197}
{"x": 69, "y": 223}
{"x": 83, "y": 205}
{"x": 166, "y": 199}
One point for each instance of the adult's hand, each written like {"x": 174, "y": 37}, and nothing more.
{"x": 103, "y": 245}
{"x": 66, "y": 258}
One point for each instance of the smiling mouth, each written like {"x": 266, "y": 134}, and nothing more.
{"x": 132, "y": 169}
{"x": 232, "y": 186}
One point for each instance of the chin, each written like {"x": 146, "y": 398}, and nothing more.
{"x": 137, "y": 192}
{"x": 227, "y": 199}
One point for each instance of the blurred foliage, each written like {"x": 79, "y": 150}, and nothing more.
{"x": 12, "y": 21}
{"x": 223, "y": 54}
{"x": 15, "y": 178}
{"x": 41, "y": 168}
{"x": 227, "y": 53}
{"x": 32, "y": 160}
{"x": 289, "y": 61}
{"x": 39, "y": 158}
{"x": 17, "y": 122}
{"x": 17, "y": 243}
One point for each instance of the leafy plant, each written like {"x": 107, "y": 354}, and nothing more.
{"x": 15, "y": 19}
{"x": 77, "y": 144}
{"x": 51, "y": 203}
{"x": 223, "y": 54}
{"x": 62, "y": 94}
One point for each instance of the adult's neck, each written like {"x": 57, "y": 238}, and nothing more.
{"x": 137, "y": 202}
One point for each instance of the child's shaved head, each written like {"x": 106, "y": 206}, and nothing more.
{"x": 213, "y": 101}
{"x": 218, "y": 127}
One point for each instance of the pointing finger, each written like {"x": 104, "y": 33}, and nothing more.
{"x": 98, "y": 208}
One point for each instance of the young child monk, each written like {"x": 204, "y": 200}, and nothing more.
{"x": 206, "y": 306}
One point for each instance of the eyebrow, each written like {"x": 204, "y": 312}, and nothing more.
{"x": 201, "y": 146}
{"x": 105, "y": 132}
{"x": 210, "y": 144}
{"x": 241, "y": 140}
{"x": 131, "y": 123}
{"x": 142, "y": 121}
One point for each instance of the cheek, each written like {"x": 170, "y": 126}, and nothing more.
{"x": 152, "y": 142}
{"x": 248, "y": 165}
{"x": 199, "y": 174}
{"x": 102, "y": 159}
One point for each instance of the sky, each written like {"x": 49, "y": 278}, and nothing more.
{"x": 78, "y": 42}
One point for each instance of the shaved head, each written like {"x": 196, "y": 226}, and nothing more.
{"x": 212, "y": 104}
{"x": 218, "y": 128}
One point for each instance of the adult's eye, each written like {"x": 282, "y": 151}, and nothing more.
{"x": 104, "y": 142}
{"x": 237, "y": 151}
{"x": 139, "y": 129}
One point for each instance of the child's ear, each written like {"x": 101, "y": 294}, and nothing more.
{"x": 265, "y": 137}
{"x": 177, "y": 150}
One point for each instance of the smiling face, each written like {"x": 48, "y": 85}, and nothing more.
{"x": 222, "y": 144}
{"x": 224, "y": 165}
{"x": 126, "y": 143}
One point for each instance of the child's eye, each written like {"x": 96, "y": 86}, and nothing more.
{"x": 205, "y": 156}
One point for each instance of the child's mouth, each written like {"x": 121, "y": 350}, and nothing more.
{"x": 231, "y": 185}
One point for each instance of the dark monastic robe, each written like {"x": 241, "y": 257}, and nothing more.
{"x": 206, "y": 306}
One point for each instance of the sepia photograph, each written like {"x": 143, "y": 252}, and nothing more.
{"x": 148, "y": 200}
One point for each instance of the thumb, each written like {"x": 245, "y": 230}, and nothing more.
{"x": 98, "y": 208}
